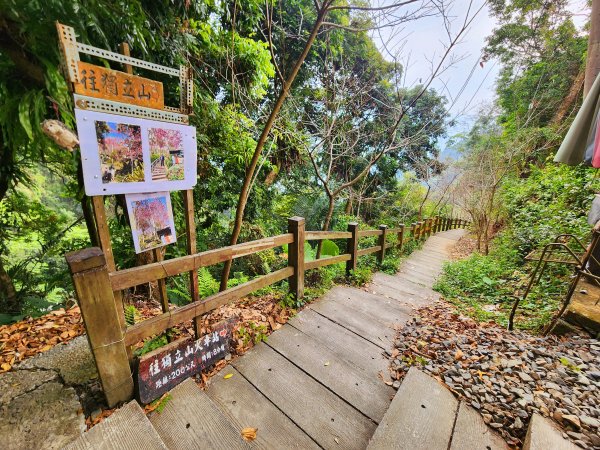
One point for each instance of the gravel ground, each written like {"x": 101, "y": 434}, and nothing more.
{"x": 507, "y": 376}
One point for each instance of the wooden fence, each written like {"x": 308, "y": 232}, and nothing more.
{"x": 99, "y": 290}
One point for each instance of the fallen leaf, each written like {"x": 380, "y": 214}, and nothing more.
{"x": 228, "y": 376}
{"x": 249, "y": 433}
{"x": 458, "y": 355}
{"x": 6, "y": 366}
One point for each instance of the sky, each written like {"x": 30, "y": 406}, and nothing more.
{"x": 466, "y": 84}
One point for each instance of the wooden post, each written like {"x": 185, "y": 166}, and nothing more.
{"x": 190, "y": 231}
{"x": 99, "y": 311}
{"x": 296, "y": 256}
{"x": 421, "y": 228}
{"x": 429, "y": 227}
{"x": 401, "y": 238}
{"x": 352, "y": 248}
{"x": 413, "y": 229}
{"x": 444, "y": 224}
{"x": 381, "y": 254}
{"x": 438, "y": 224}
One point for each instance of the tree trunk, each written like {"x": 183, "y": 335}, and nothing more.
{"x": 326, "y": 224}
{"x": 348, "y": 208}
{"x": 9, "y": 302}
{"x": 423, "y": 202}
{"x": 243, "y": 198}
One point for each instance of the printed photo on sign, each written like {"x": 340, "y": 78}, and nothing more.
{"x": 130, "y": 155}
{"x": 120, "y": 151}
{"x": 166, "y": 154}
{"x": 151, "y": 219}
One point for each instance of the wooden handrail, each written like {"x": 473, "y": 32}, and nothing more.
{"x": 327, "y": 261}
{"x": 319, "y": 235}
{"x": 365, "y": 233}
{"x": 127, "y": 278}
{"x": 367, "y": 251}
{"x": 158, "y": 324}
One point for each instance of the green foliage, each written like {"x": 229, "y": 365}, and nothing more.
{"x": 151, "y": 344}
{"x": 329, "y": 248}
{"x": 253, "y": 333}
{"x": 361, "y": 276}
{"x": 131, "y": 315}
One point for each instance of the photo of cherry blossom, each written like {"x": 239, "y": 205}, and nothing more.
{"x": 166, "y": 154}
{"x": 120, "y": 151}
{"x": 127, "y": 155}
{"x": 151, "y": 219}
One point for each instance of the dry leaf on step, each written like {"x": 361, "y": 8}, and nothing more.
{"x": 458, "y": 355}
{"x": 229, "y": 375}
{"x": 249, "y": 433}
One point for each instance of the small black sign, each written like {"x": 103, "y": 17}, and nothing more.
{"x": 163, "y": 369}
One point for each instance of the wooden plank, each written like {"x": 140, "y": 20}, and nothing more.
{"x": 326, "y": 261}
{"x": 365, "y": 233}
{"x": 356, "y": 321}
{"x": 382, "y": 309}
{"x": 422, "y": 266}
{"x": 138, "y": 275}
{"x": 128, "y": 428}
{"x": 246, "y": 407}
{"x": 158, "y": 324}
{"x": 190, "y": 420}
{"x": 403, "y": 292}
{"x": 425, "y": 278}
{"x": 414, "y": 279}
{"x": 359, "y": 352}
{"x": 470, "y": 431}
{"x": 369, "y": 395}
{"x": 369, "y": 250}
{"x": 117, "y": 86}
{"x": 542, "y": 434}
{"x": 420, "y": 417}
{"x": 402, "y": 285}
{"x": 319, "y": 235}
{"x": 326, "y": 418}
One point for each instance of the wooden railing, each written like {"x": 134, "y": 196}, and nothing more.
{"x": 99, "y": 290}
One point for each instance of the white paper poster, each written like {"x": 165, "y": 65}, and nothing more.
{"x": 123, "y": 155}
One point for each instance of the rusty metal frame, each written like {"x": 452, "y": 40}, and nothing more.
{"x": 70, "y": 50}
{"x": 580, "y": 261}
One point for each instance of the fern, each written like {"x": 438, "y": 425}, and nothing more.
{"x": 206, "y": 283}
{"x": 131, "y": 315}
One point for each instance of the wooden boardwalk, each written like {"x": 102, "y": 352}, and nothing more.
{"x": 320, "y": 381}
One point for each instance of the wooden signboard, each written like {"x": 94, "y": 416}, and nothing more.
{"x": 163, "y": 369}
{"x": 100, "y": 82}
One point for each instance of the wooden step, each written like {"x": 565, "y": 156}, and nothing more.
{"x": 128, "y": 428}
{"x": 471, "y": 432}
{"x": 542, "y": 434}
{"x": 247, "y": 407}
{"x": 354, "y": 349}
{"x": 421, "y": 416}
{"x": 190, "y": 420}
{"x": 367, "y": 394}
{"x": 326, "y": 418}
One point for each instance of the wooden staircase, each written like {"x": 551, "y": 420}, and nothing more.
{"x": 318, "y": 382}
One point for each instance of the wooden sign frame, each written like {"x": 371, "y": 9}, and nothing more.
{"x": 70, "y": 50}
